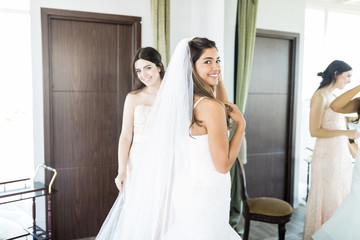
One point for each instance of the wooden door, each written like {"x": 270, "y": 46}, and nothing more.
{"x": 270, "y": 116}
{"x": 87, "y": 74}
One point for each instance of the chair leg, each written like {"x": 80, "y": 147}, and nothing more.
{"x": 282, "y": 231}
{"x": 246, "y": 229}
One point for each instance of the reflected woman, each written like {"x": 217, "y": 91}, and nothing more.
{"x": 345, "y": 222}
{"x": 331, "y": 165}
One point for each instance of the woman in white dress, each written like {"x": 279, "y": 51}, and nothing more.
{"x": 202, "y": 205}
{"x": 148, "y": 70}
{"x": 345, "y": 223}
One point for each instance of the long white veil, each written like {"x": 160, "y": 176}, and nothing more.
{"x": 146, "y": 212}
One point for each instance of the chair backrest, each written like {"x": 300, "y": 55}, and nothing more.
{"x": 244, "y": 194}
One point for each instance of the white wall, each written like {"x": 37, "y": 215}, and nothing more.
{"x": 229, "y": 44}
{"x": 200, "y": 18}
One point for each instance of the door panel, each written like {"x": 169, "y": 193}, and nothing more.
{"x": 78, "y": 45}
{"x": 267, "y": 129}
{"x": 87, "y": 74}
{"x": 266, "y": 179}
{"x": 85, "y": 128}
{"x": 271, "y": 66}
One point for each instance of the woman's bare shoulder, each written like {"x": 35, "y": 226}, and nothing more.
{"x": 319, "y": 98}
{"x": 209, "y": 106}
{"x": 133, "y": 99}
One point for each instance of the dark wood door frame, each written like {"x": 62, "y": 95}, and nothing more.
{"x": 46, "y": 16}
{"x": 293, "y": 85}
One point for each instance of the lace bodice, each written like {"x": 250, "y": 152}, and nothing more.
{"x": 333, "y": 120}
{"x": 141, "y": 114}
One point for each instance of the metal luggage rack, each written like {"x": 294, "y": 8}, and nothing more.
{"x": 27, "y": 190}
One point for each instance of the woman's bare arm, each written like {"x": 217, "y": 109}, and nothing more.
{"x": 125, "y": 140}
{"x": 223, "y": 152}
{"x": 318, "y": 106}
{"x": 346, "y": 103}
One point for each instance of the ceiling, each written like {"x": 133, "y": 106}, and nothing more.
{"x": 349, "y": 4}
{"x": 348, "y": 1}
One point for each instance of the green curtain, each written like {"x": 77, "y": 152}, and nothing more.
{"x": 245, "y": 34}
{"x": 160, "y": 12}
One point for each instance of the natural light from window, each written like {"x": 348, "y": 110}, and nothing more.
{"x": 16, "y": 118}
{"x": 329, "y": 35}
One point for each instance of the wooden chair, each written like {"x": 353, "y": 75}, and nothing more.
{"x": 263, "y": 209}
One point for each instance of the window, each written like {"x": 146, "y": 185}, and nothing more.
{"x": 16, "y": 117}
{"x": 329, "y": 35}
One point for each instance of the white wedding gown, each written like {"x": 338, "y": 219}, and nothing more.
{"x": 201, "y": 198}
{"x": 345, "y": 223}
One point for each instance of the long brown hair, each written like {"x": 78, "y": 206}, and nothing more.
{"x": 152, "y": 55}
{"x": 197, "y": 47}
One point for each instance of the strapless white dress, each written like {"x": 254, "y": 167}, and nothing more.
{"x": 201, "y": 198}
{"x": 112, "y": 228}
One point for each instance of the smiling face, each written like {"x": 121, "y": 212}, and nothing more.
{"x": 147, "y": 72}
{"x": 208, "y": 66}
{"x": 343, "y": 79}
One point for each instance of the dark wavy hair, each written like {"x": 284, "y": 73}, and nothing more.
{"x": 335, "y": 68}
{"x": 197, "y": 47}
{"x": 152, "y": 55}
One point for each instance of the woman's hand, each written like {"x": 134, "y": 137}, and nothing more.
{"x": 353, "y": 149}
{"x": 234, "y": 113}
{"x": 220, "y": 77}
{"x": 119, "y": 181}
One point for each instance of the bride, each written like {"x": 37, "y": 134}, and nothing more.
{"x": 201, "y": 206}
{"x": 182, "y": 187}
{"x": 345, "y": 222}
